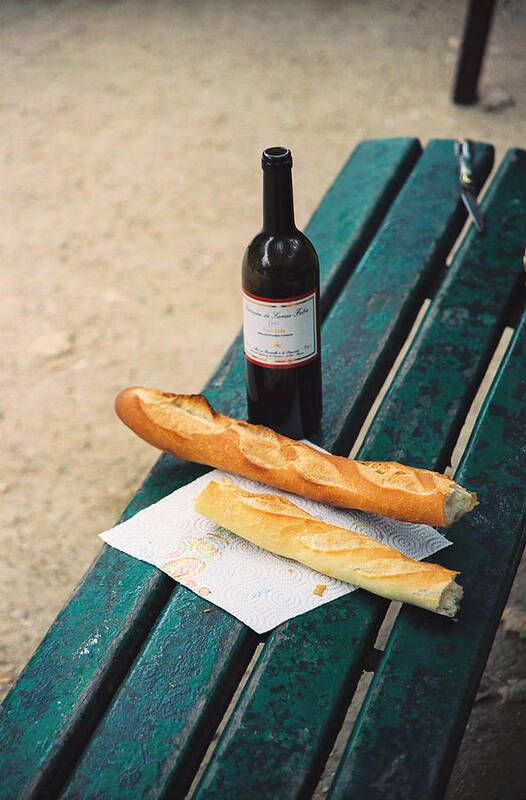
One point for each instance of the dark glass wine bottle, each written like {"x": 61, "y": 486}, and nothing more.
{"x": 281, "y": 324}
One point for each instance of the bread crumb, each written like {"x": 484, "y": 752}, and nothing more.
{"x": 206, "y": 610}
{"x": 319, "y": 589}
{"x": 290, "y": 570}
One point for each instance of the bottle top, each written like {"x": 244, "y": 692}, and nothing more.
{"x": 274, "y": 157}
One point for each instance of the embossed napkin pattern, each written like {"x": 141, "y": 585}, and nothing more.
{"x": 259, "y": 588}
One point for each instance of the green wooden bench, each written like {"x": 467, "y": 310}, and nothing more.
{"x": 126, "y": 692}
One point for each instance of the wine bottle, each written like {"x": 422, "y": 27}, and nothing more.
{"x": 281, "y": 324}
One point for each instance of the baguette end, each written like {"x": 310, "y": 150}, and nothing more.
{"x": 160, "y": 406}
{"x": 126, "y": 404}
{"x": 450, "y": 598}
{"x": 457, "y": 502}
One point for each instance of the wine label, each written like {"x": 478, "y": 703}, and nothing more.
{"x": 280, "y": 333}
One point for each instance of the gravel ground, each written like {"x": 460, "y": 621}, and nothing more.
{"x": 131, "y": 141}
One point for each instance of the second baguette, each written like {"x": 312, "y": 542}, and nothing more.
{"x": 276, "y": 524}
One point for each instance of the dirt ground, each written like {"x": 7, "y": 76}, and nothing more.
{"x": 131, "y": 184}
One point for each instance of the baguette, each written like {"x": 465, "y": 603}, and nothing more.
{"x": 276, "y": 524}
{"x": 187, "y": 427}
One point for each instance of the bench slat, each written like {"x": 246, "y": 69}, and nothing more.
{"x": 381, "y": 299}
{"x": 90, "y": 646}
{"x": 431, "y": 664}
{"x": 362, "y": 194}
{"x": 461, "y": 329}
{"x": 257, "y": 721}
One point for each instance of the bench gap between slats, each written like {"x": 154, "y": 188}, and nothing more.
{"x": 340, "y": 742}
{"x": 453, "y": 452}
{"x": 468, "y": 223}
{"x": 478, "y": 401}
{"x": 389, "y": 379}
{"x": 357, "y": 701}
{"x": 228, "y": 713}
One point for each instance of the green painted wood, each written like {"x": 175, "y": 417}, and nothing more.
{"x": 281, "y": 732}
{"x": 58, "y": 699}
{"x": 156, "y": 727}
{"x": 406, "y": 738}
{"x": 401, "y": 266}
{"x": 346, "y": 220}
{"x": 51, "y": 713}
{"x": 299, "y": 740}
{"x": 461, "y": 329}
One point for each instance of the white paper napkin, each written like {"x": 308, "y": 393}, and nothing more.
{"x": 259, "y": 588}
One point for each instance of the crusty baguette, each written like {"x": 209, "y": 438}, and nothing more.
{"x": 188, "y": 427}
{"x": 276, "y": 524}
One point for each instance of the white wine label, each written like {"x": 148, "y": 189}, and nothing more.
{"x": 280, "y": 333}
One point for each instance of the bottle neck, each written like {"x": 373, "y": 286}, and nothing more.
{"x": 278, "y": 204}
